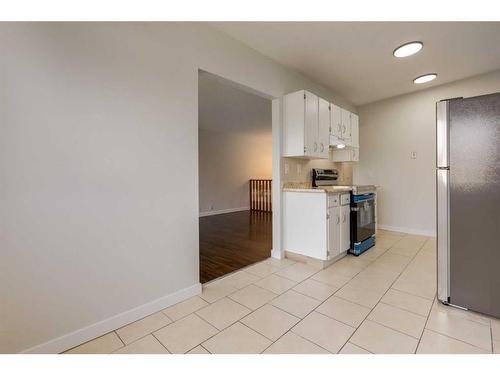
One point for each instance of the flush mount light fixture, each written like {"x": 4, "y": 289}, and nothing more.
{"x": 425, "y": 78}
{"x": 408, "y": 49}
{"x": 341, "y": 146}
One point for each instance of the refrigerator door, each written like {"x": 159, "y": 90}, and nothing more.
{"x": 443, "y": 272}
{"x": 442, "y": 134}
{"x": 474, "y": 203}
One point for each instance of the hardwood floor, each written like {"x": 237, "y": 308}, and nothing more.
{"x": 231, "y": 241}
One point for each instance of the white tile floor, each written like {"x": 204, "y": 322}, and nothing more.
{"x": 380, "y": 302}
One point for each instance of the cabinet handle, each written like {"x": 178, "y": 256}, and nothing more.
{"x": 338, "y": 219}
{"x": 343, "y": 218}
{"x": 315, "y": 146}
{"x": 322, "y": 148}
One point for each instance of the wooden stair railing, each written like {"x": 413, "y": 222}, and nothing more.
{"x": 261, "y": 195}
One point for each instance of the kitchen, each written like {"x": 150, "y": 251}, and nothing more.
{"x": 325, "y": 216}
{"x": 354, "y": 257}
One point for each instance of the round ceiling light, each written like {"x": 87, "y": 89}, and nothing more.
{"x": 408, "y": 49}
{"x": 425, "y": 78}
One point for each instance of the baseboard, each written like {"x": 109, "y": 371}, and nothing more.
{"x": 429, "y": 233}
{"x": 276, "y": 254}
{"x": 226, "y": 211}
{"x": 85, "y": 334}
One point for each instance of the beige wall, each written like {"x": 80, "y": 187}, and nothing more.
{"x": 227, "y": 161}
{"x": 99, "y": 170}
{"x": 389, "y": 131}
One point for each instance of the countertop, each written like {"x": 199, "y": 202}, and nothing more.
{"x": 324, "y": 189}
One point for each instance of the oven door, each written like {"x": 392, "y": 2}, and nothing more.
{"x": 362, "y": 217}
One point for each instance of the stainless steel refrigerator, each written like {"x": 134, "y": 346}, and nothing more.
{"x": 468, "y": 202}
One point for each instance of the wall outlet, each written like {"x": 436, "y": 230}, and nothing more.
{"x": 413, "y": 155}
{"x": 299, "y": 168}
{"x": 287, "y": 167}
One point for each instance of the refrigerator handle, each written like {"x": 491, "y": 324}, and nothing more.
{"x": 442, "y": 134}
{"x": 443, "y": 234}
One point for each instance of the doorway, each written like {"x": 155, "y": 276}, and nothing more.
{"x": 235, "y": 172}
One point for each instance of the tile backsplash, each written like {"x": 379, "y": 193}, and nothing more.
{"x": 300, "y": 170}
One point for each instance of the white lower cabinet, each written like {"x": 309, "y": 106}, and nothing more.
{"x": 316, "y": 224}
{"x": 334, "y": 233}
{"x": 345, "y": 227}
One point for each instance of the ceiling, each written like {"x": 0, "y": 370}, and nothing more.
{"x": 225, "y": 106}
{"x": 355, "y": 59}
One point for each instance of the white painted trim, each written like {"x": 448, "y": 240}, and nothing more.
{"x": 277, "y": 251}
{"x": 429, "y": 233}
{"x": 277, "y": 254}
{"x": 225, "y": 211}
{"x": 85, "y": 334}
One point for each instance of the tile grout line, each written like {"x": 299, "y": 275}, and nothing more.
{"x": 425, "y": 327}
{"x": 413, "y": 294}
{"x": 491, "y": 336}
{"x": 156, "y": 338}
{"x": 239, "y": 320}
{"x": 314, "y": 310}
{"x": 454, "y": 338}
{"x": 300, "y": 319}
{"x": 123, "y": 342}
{"x": 403, "y": 270}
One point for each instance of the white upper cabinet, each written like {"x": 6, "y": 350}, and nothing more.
{"x": 354, "y": 130}
{"x": 311, "y": 125}
{"x": 323, "y": 128}
{"x": 346, "y": 127}
{"x": 305, "y": 125}
{"x": 336, "y": 121}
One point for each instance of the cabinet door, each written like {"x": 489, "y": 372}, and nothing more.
{"x": 311, "y": 125}
{"x": 334, "y": 231}
{"x": 355, "y": 154}
{"x": 354, "y": 130}
{"x": 336, "y": 121}
{"x": 293, "y": 124}
{"x": 323, "y": 128}
{"x": 345, "y": 228}
{"x": 346, "y": 126}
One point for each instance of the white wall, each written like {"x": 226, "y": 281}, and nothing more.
{"x": 227, "y": 160}
{"x": 389, "y": 131}
{"x": 99, "y": 170}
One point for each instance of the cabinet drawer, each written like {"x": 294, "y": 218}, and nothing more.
{"x": 345, "y": 199}
{"x": 333, "y": 200}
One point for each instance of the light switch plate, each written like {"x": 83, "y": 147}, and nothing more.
{"x": 287, "y": 168}
{"x": 299, "y": 168}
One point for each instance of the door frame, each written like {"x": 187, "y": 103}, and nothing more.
{"x": 277, "y": 250}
